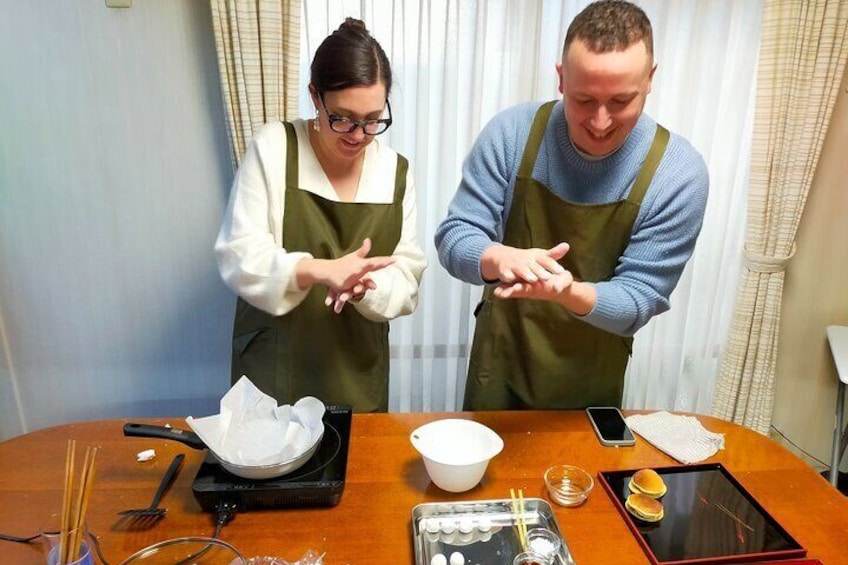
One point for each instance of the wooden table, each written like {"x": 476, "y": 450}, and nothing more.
{"x": 386, "y": 479}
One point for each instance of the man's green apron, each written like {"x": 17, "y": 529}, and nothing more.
{"x": 338, "y": 358}
{"x": 534, "y": 353}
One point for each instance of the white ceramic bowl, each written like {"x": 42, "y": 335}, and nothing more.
{"x": 456, "y": 452}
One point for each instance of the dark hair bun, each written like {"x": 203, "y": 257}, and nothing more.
{"x": 354, "y": 25}
{"x": 350, "y": 57}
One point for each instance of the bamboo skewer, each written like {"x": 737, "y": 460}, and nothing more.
{"x": 73, "y": 515}
{"x": 74, "y": 531}
{"x": 522, "y": 520}
{"x": 518, "y": 510}
{"x": 82, "y": 502}
{"x": 66, "y": 502}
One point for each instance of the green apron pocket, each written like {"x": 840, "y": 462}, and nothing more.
{"x": 241, "y": 343}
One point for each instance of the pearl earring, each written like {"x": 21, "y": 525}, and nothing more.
{"x": 316, "y": 124}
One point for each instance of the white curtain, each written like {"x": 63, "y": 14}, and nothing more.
{"x": 458, "y": 62}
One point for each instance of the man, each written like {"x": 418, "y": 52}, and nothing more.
{"x": 582, "y": 214}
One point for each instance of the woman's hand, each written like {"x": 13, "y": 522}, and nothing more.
{"x": 344, "y": 277}
{"x": 348, "y": 270}
{"x": 337, "y": 300}
{"x": 511, "y": 264}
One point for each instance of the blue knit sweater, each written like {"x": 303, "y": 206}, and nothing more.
{"x": 664, "y": 233}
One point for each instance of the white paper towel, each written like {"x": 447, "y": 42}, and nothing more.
{"x": 680, "y": 437}
{"x": 252, "y": 430}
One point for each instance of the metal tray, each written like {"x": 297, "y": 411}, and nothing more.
{"x": 483, "y": 531}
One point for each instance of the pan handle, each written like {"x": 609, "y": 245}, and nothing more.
{"x": 189, "y": 438}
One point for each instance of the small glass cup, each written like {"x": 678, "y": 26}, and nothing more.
{"x": 50, "y": 531}
{"x": 531, "y": 558}
{"x": 84, "y": 557}
{"x": 544, "y": 542}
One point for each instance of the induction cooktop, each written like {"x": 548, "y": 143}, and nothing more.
{"x": 320, "y": 482}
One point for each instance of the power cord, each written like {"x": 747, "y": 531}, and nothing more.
{"x": 224, "y": 513}
{"x": 796, "y": 446}
{"x": 5, "y": 537}
{"x": 94, "y": 539}
{"x": 96, "y": 542}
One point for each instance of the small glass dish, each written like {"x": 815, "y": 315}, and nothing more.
{"x": 568, "y": 485}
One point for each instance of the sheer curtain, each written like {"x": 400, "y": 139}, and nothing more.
{"x": 458, "y": 62}
{"x": 257, "y": 46}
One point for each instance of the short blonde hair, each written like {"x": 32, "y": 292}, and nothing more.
{"x": 610, "y": 25}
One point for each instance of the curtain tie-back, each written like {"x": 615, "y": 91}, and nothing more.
{"x": 759, "y": 263}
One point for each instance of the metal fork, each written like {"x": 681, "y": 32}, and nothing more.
{"x": 153, "y": 512}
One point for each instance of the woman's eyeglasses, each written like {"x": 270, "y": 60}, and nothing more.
{"x": 341, "y": 124}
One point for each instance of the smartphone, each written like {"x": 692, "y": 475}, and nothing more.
{"x": 610, "y": 426}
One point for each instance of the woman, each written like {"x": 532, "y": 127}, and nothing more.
{"x": 319, "y": 237}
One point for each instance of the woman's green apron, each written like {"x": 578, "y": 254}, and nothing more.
{"x": 338, "y": 358}
{"x": 533, "y": 353}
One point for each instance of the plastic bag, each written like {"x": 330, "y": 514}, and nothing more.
{"x": 309, "y": 558}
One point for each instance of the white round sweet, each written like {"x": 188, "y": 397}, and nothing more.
{"x": 466, "y": 526}
{"x": 484, "y": 524}
{"x": 448, "y": 526}
{"x": 457, "y": 558}
{"x": 431, "y": 525}
{"x": 439, "y": 559}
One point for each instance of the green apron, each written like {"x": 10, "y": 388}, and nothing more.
{"x": 534, "y": 353}
{"x": 338, "y": 358}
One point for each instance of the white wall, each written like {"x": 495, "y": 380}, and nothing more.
{"x": 114, "y": 172}
{"x": 815, "y": 296}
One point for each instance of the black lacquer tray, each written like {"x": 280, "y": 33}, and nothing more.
{"x": 709, "y": 517}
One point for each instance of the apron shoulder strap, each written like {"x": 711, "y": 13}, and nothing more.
{"x": 291, "y": 155}
{"x": 400, "y": 178}
{"x": 534, "y": 140}
{"x": 649, "y": 166}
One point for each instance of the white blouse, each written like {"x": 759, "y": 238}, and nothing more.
{"x": 250, "y": 252}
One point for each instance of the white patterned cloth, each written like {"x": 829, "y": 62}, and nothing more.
{"x": 680, "y": 437}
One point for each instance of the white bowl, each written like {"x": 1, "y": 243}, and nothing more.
{"x": 456, "y": 452}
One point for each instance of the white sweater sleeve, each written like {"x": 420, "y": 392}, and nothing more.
{"x": 397, "y": 285}
{"x": 249, "y": 251}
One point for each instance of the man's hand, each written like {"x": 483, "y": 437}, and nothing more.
{"x": 577, "y": 297}
{"x": 550, "y": 289}
{"x": 510, "y": 264}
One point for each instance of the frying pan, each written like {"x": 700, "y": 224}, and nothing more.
{"x": 191, "y": 439}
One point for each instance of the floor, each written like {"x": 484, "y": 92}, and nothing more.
{"x": 841, "y": 483}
